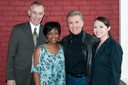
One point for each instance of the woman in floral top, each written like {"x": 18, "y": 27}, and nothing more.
{"x": 48, "y": 62}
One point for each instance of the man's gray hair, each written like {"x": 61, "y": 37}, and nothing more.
{"x": 74, "y": 13}
{"x": 37, "y": 3}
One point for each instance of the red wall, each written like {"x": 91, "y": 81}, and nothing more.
{"x": 15, "y": 11}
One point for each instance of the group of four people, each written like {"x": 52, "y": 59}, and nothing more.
{"x": 78, "y": 59}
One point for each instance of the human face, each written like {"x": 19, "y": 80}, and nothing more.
{"x": 53, "y": 36}
{"x": 75, "y": 24}
{"x": 36, "y": 14}
{"x": 101, "y": 30}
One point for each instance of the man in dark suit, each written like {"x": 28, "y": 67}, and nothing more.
{"x": 21, "y": 47}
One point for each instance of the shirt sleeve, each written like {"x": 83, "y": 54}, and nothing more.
{"x": 116, "y": 61}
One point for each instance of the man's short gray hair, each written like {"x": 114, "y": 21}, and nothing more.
{"x": 37, "y": 3}
{"x": 74, "y": 13}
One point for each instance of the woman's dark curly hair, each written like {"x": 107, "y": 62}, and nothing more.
{"x": 51, "y": 25}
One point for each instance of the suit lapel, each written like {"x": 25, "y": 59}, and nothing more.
{"x": 29, "y": 35}
{"x": 40, "y": 34}
{"x": 41, "y": 38}
{"x": 100, "y": 50}
{"x": 102, "y": 47}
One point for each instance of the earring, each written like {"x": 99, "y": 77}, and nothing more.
{"x": 46, "y": 40}
{"x": 58, "y": 41}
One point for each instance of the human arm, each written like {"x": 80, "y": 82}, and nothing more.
{"x": 12, "y": 52}
{"x": 116, "y": 61}
{"x": 36, "y": 61}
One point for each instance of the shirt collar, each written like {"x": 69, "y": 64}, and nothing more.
{"x": 33, "y": 26}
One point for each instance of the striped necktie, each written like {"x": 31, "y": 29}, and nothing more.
{"x": 35, "y": 36}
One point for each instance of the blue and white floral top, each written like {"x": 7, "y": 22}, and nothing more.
{"x": 51, "y": 67}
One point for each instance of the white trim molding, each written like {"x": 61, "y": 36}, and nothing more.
{"x": 124, "y": 38}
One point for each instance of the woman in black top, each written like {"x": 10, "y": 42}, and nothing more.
{"x": 108, "y": 57}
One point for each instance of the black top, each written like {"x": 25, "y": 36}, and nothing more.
{"x": 75, "y": 58}
{"x": 107, "y": 62}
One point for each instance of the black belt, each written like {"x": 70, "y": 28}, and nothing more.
{"x": 76, "y": 75}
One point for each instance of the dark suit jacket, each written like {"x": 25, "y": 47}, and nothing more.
{"x": 20, "y": 50}
{"x": 107, "y": 63}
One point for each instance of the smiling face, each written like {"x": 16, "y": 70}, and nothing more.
{"x": 53, "y": 36}
{"x": 75, "y": 24}
{"x": 101, "y": 30}
{"x": 36, "y": 14}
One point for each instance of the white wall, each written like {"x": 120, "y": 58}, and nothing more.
{"x": 124, "y": 37}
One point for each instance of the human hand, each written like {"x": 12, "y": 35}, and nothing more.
{"x": 11, "y": 82}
